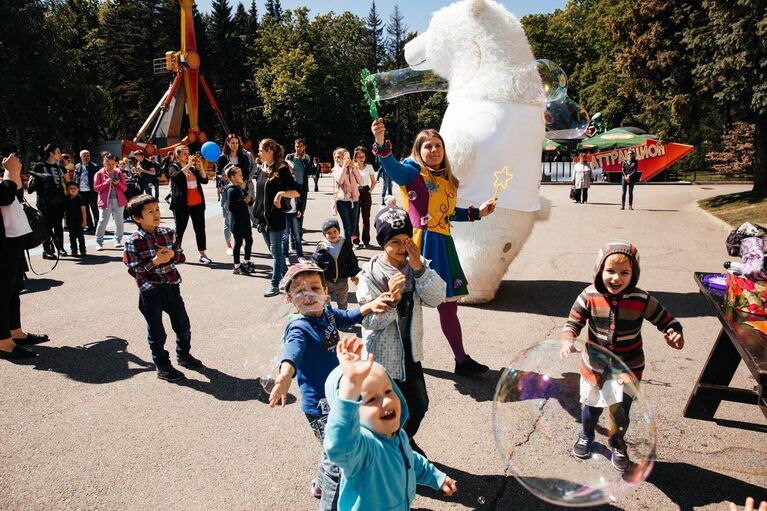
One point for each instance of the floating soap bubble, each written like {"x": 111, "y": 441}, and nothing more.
{"x": 565, "y": 119}
{"x": 412, "y": 195}
{"x": 481, "y": 501}
{"x": 267, "y": 374}
{"x": 265, "y": 342}
{"x": 553, "y": 78}
{"x": 536, "y": 420}
{"x": 392, "y": 84}
{"x": 538, "y": 81}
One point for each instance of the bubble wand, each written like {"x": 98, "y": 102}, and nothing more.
{"x": 371, "y": 102}
{"x": 501, "y": 185}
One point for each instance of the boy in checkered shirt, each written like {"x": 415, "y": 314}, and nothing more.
{"x": 151, "y": 255}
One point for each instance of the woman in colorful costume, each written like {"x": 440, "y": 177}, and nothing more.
{"x": 429, "y": 194}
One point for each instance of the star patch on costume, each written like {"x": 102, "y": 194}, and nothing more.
{"x": 502, "y": 179}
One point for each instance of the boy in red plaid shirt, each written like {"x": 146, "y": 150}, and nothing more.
{"x": 151, "y": 256}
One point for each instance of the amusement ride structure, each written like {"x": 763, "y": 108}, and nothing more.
{"x": 182, "y": 95}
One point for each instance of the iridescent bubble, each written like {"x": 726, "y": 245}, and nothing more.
{"x": 565, "y": 119}
{"x": 392, "y": 84}
{"x": 412, "y": 195}
{"x": 481, "y": 501}
{"x": 267, "y": 374}
{"x": 538, "y": 81}
{"x": 265, "y": 343}
{"x": 536, "y": 419}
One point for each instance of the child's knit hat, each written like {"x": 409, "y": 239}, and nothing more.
{"x": 616, "y": 247}
{"x": 391, "y": 222}
{"x": 329, "y": 223}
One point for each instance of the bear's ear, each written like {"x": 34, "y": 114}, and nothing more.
{"x": 477, "y": 7}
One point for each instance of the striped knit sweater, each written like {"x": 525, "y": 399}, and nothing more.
{"x": 615, "y": 321}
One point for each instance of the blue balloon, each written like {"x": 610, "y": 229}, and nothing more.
{"x": 210, "y": 151}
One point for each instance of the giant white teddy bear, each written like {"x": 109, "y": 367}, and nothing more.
{"x": 476, "y": 45}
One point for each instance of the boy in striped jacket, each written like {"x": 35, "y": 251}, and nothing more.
{"x": 614, "y": 308}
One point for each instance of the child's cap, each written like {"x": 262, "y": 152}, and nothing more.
{"x": 390, "y": 200}
{"x": 302, "y": 266}
{"x": 329, "y": 223}
{"x": 616, "y": 247}
{"x": 391, "y": 222}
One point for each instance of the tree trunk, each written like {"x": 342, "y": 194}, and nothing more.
{"x": 760, "y": 160}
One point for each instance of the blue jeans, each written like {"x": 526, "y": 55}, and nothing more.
{"x": 349, "y": 213}
{"x": 116, "y": 212}
{"x": 293, "y": 229}
{"x": 328, "y": 474}
{"x": 165, "y": 298}
{"x": 227, "y": 220}
{"x": 386, "y": 188}
{"x": 273, "y": 240}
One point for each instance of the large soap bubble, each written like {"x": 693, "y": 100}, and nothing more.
{"x": 265, "y": 342}
{"x": 539, "y": 81}
{"x": 392, "y": 84}
{"x": 565, "y": 119}
{"x": 537, "y": 415}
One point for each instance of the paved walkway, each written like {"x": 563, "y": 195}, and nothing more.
{"x": 89, "y": 426}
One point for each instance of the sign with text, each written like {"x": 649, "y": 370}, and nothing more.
{"x": 652, "y": 156}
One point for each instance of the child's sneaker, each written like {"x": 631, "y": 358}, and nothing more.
{"x": 469, "y": 367}
{"x": 119, "y": 244}
{"x": 169, "y": 373}
{"x": 241, "y": 270}
{"x": 315, "y": 489}
{"x": 272, "y": 291}
{"x": 250, "y": 266}
{"x": 620, "y": 459}
{"x": 582, "y": 447}
{"x": 188, "y": 361}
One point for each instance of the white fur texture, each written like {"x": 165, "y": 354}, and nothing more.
{"x": 475, "y": 45}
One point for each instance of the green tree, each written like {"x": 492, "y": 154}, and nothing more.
{"x": 730, "y": 57}
{"x": 271, "y": 10}
{"x": 124, "y": 51}
{"x": 374, "y": 25}
{"x": 395, "y": 59}
{"x": 74, "y": 24}
{"x": 656, "y": 71}
{"x": 397, "y": 32}
{"x": 223, "y": 61}
{"x": 576, "y": 39}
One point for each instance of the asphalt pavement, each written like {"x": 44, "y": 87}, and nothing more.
{"x": 87, "y": 425}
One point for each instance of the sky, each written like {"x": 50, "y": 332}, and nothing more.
{"x": 416, "y": 12}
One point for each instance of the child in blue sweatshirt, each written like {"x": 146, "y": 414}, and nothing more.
{"x": 364, "y": 436}
{"x": 308, "y": 352}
